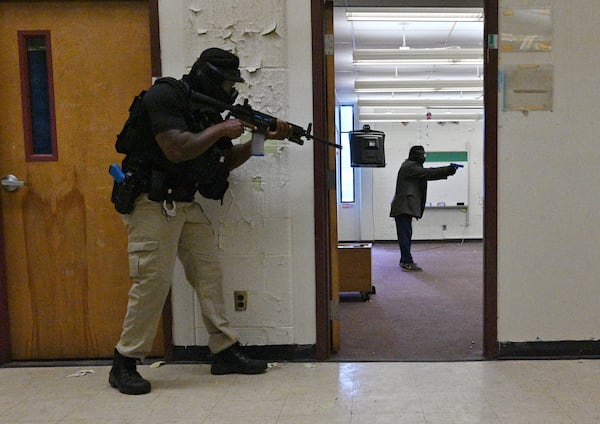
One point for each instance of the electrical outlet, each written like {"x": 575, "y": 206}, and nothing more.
{"x": 240, "y": 299}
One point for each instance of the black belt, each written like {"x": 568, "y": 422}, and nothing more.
{"x": 160, "y": 189}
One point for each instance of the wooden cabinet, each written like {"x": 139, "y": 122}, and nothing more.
{"x": 354, "y": 261}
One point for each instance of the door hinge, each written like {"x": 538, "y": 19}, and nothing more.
{"x": 334, "y": 310}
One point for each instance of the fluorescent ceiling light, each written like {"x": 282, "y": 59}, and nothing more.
{"x": 417, "y": 57}
{"x": 411, "y": 117}
{"x": 428, "y": 103}
{"x": 397, "y": 86}
{"x": 415, "y": 15}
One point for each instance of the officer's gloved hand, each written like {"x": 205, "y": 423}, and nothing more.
{"x": 452, "y": 170}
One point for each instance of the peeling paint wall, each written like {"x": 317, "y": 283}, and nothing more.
{"x": 256, "y": 32}
{"x": 264, "y": 229}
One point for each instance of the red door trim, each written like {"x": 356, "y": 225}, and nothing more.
{"x": 490, "y": 216}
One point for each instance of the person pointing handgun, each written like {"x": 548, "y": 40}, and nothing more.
{"x": 409, "y": 199}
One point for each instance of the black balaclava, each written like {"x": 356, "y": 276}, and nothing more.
{"x": 417, "y": 154}
{"x": 210, "y": 70}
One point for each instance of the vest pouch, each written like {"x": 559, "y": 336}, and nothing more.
{"x": 215, "y": 191}
{"x": 156, "y": 192}
{"x": 211, "y": 172}
{"x": 127, "y": 139}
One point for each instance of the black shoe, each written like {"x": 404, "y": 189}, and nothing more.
{"x": 123, "y": 376}
{"x": 410, "y": 266}
{"x": 233, "y": 361}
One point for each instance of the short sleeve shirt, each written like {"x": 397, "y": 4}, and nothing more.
{"x": 166, "y": 107}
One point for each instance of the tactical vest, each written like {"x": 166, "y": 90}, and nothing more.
{"x": 161, "y": 178}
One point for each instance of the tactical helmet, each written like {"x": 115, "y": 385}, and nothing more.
{"x": 211, "y": 69}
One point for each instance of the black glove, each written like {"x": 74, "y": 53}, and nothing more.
{"x": 452, "y": 170}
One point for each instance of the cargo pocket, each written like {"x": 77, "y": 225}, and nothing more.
{"x": 142, "y": 257}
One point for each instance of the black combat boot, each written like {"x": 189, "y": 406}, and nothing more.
{"x": 123, "y": 376}
{"x": 233, "y": 361}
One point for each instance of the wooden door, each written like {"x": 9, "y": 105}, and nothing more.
{"x": 65, "y": 246}
{"x": 332, "y": 190}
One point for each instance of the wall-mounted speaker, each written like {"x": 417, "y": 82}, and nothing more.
{"x": 367, "y": 148}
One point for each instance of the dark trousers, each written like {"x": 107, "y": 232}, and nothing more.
{"x": 404, "y": 231}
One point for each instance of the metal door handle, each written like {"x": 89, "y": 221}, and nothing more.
{"x": 11, "y": 183}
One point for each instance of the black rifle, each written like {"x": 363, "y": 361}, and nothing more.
{"x": 260, "y": 120}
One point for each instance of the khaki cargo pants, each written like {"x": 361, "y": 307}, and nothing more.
{"x": 155, "y": 241}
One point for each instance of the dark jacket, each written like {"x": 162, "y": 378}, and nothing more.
{"x": 411, "y": 187}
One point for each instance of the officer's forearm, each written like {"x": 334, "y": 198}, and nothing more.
{"x": 179, "y": 146}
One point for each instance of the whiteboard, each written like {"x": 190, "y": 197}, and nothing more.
{"x": 454, "y": 191}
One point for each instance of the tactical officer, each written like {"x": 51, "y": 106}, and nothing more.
{"x": 180, "y": 150}
{"x": 409, "y": 199}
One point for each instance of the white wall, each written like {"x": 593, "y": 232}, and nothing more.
{"x": 548, "y": 215}
{"x": 369, "y": 219}
{"x": 265, "y": 228}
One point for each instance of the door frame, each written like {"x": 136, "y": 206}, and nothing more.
{"x": 5, "y": 343}
{"x": 323, "y": 272}
{"x": 490, "y": 177}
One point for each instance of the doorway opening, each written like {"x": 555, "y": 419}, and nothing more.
{"x": 390, "y": 69}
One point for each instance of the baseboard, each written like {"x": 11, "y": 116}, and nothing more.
{"x": 283, "y": 353}
{"x": 589, "y": 349}
{"x": 445, "y": 240}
